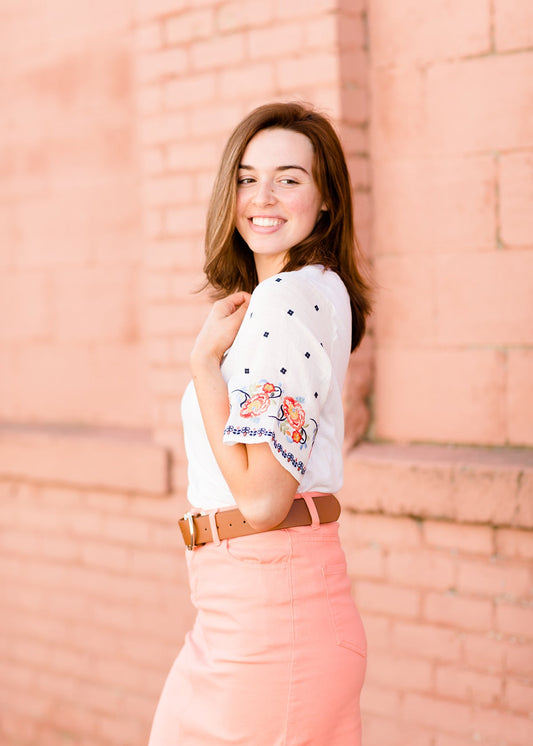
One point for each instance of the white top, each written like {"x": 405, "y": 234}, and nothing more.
{"x": 285, "y": 372}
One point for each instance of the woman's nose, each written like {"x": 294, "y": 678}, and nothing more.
{"x": 264, "y": 193}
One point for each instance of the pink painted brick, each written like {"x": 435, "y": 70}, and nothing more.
{"x": 25, "y": 305}
{"x": 163, "y": 128}
{"x": 148, "y": 37}
{"x": 457, "y": 683}
{"x": 387, "y": 599}
{"x": 427, "y": 641}
{"x": 216, "y": 121}
{"x": 168, "y": 190}
{"x": 236, "y": 83}
{"x": 494, "y": 578}
{"x": 459, "y": 612}
{"x": 385, "y": 531}
{"x": 149, "y": 99}
{"x": 399, "y": 672}
{"x": 401, "y": 278}
{"x": 467, "y": 313}
{"x": 161, "y": 65}
{"x": 519, "y": 657}
{"x": 262, "y": 43}
{"x": 512, "y": 543}
{"x": 484, "y": 652}
{"x": 185, "y": 93}
{"x": 498, "y": 725}
{"x": 514, "y": 620}
{"x": 193, "y": 24}
{"x": 516, "y": 198}
{"x": 299, "y": 71}
{"x": 92, "y": 304}
{"x": 380, "y": 700}
{"x": 190, "y": 156}
{"x": 232, "y": 16}
{"x": 465, "y": 539}
{"x": 398, "y": 113}
{"x": 415, "y": 31}
{"x": 185, "y": 220}
{"x": 323, "y": 32}
{"x": 513, "y": 25}
{"x": 519, "y": 396}
{"x": 415, "y": 194}
{"x": 351, "y": 30}
{"x": 379, "y": 730}
{"x": 218, "y": 52}
{"x": 485, "y": 116}
{"x": 154, "y": 8}
{"x": 451, "y": 395}
{"x": 441, "y": 715}
{"x": 519, "y": 696}
{"x": 298, "y": 8}
{"x": 421, "y": 569}
{"x": 169, "y": 253}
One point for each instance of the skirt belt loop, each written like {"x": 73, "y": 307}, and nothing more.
{"x": 311, "y": 507}
{"x": 214, "y": 527}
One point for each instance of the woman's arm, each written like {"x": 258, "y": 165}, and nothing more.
{"x": 263, "y": 489}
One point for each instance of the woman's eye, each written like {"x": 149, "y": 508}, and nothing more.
{"x": 245, "y": 180}
{"x": 287, "y": 180}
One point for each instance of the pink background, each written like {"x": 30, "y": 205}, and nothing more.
{"x": 113, "y": 118}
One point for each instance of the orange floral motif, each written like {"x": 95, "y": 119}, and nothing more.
{"x": 255, "y": 405}
{"x": 294, "y": 412}
{"x": 269, "y": 388}
{"x": 297, "y": 436}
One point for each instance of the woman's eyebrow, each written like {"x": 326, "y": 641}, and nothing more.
{"x": 279, "y": 168}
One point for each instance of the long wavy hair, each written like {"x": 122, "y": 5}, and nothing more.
{"x": 229, "y": 264}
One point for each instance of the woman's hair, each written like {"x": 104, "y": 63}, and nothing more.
{"x": 229, "y": 264}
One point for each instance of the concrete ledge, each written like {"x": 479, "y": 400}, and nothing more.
{"x": 470, "y": 485}
{"x": 106, "y": 458}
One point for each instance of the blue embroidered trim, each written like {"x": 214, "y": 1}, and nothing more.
{"x": 232, "y": 430}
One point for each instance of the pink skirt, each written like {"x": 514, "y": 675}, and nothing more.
{"x": 277, "y": 654}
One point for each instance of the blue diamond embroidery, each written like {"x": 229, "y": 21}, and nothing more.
{"x": 290, "y": 312}
{"x": 266, "y": 334}
{"x": 308, "y": 355}
{"x": 316, "y": 394}
{"x": 247, "y": 370}
{"x": 278, "y": 279}
{"x": 283, "y": 370}
{"x": 317, "y": 308}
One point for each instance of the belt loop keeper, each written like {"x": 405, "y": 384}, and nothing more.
{"x": 214, "y": 528}
{"x": 311, "y": 507}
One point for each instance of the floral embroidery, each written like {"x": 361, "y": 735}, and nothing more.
{"x": 256, "y": 405}
{"x": 294, "y": 412}
{"x": 290, "y": 415}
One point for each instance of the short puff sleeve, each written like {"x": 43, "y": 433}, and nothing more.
{"x": 279, "y": 372}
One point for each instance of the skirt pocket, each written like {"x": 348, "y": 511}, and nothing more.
{"x": 345, "y": 617}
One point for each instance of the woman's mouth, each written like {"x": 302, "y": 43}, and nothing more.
{"x": 265, "y": 222}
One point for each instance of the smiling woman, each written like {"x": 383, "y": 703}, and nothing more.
{"x": 263, "y": 425}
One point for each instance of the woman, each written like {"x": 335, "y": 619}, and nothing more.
{"x": 277, "y": 653}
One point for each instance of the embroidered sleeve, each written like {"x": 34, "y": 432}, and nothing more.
{"x": 280, "y": 373}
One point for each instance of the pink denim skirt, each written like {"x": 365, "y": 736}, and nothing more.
{"x": 277, "y": 654}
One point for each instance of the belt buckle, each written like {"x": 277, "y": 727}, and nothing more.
{"x": 189, "y": 517}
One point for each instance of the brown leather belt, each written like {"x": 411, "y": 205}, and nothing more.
{"x": 196, "y": 528}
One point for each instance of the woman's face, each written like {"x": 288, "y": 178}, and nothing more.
{"x": 278, "y": 202}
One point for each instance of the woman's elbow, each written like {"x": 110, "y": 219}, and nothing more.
{"x": 265, "y": 513}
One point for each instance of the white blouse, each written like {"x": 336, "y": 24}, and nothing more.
{"x": 285, "y": 372}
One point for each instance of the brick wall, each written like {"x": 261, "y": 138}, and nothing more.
{"x": 101, "y": 231}
{"x": 453, "y": 233}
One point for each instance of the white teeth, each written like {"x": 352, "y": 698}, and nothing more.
{"x": 267, "y": 222}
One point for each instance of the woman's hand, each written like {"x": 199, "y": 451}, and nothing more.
{"x": 220, "y": 328}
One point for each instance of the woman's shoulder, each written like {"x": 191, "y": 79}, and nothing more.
{"x": 311, "y": 287}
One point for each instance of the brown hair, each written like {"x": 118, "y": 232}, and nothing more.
{"x": 229, "y": 264}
